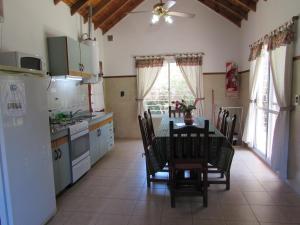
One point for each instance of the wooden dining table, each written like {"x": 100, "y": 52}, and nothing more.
{"x": 218, "y": 144}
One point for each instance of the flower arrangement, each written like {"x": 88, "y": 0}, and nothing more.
{"x": 183, "y": 106}
{"x": 186, "y": 108}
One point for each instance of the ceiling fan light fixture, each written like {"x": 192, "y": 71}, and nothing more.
{"x": 155, "y": 19}
{"x": 168, "y": 19}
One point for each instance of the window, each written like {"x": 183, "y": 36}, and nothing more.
{"x": 169, "y": 86}
{"x": 266, "y": 109}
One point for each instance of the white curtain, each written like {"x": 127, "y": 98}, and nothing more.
{"x": 147, "y": 72}
{"x": 249, "y": 130}
{"x": 191, "y": 69}
{"x": 281, "y": 66}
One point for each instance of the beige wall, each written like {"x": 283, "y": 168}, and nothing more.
{"x": 125, "y": 108}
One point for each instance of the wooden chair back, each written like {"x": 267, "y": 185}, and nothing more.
{"x": 146, "y": 136}
{"x": 219, "y": 119}
{"x": 229, "y": 127}
{"x": 150, "y": 127}
{"x": 174, "y": 113}
{"x": 223, "y": 124}
{"x": 188, "y": 145}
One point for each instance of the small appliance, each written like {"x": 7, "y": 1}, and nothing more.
{"x": 22, "y": 60}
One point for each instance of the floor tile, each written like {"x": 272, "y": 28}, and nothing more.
{"x": 111, "y": 219}
{"x": 119, "y": 206}
{"x": 238, "y": 213}
{"x": 269, "y": 214}
{"x": 144, "y": 220}
{"x": 115, "y": 192}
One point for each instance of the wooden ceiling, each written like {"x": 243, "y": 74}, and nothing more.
{"x": 107, "y": 13}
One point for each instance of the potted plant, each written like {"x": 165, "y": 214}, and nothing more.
{"x": 184, "y": 107}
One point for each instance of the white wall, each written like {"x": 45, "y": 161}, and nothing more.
{"x": 207, "y": 32}
{"x": 268, "y": 16}
{"x": 27, "y": 24}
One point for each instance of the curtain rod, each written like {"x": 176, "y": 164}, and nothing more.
{"x": 290, "y": 22}
{"x": 169, "y": 54}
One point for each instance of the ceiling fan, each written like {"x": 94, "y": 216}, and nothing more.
{"x": 161, "y": 10}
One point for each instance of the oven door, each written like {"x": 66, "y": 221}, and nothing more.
{"x": 80, "y": 146}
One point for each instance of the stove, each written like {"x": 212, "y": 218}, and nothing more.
{"x": 77, "y": 127}
{"x": 79, "y": 149}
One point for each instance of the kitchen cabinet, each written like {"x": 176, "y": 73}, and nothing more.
{"x": 69, "y": 57}
{"x": 101, "y": 139}
{"x": 95, "y": 145}
{"x": 61, "y": 164}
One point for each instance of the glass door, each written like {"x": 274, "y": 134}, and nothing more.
{"x": 266, "y": 109}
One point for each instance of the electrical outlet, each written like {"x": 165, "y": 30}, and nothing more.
{"x": 297, "y": 99}
{"x": 122, "y": 93}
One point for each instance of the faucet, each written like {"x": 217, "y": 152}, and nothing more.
{"x": 73, "y": 114}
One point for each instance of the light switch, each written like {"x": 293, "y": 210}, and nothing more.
{"x": 297, "y": 99}
{"x": 122, "y": 93}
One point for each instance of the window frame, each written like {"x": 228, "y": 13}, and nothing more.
{"x": 168, "y": 61}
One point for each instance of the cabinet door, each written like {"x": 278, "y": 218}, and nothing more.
{"x": 105, "y": 138}
{"x": 93, "y": 146}
{"x": 73, "y": 56}
{"x": 56, "y": 171}
{"x": 111, "y": 135}
{"x": 101, "y": 142}
{"x": 86, "y": 58}
{"x": 64, "y": 166}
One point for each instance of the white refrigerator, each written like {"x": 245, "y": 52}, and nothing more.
{"x": 27, "y": 195}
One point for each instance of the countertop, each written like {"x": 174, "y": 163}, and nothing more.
{"x": 95, "y": 118}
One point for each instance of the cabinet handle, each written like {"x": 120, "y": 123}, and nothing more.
{"x": 59, "y": 153}
{"x": 99, "y": 132}
{"x": 56, "y": 155}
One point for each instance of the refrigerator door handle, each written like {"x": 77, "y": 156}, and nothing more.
{"x": 59, "y": 153}
{"x": 56, "y": 155}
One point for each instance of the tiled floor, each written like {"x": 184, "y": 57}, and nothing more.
{"x": 114, "y": 192}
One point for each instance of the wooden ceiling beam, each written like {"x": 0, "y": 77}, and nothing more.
{"x": 78, "y": 5}
{"x": 57, "y": 1}
{"x": 108, "y": 13}
{"x": 248, "y": 4}
{"x": 98, "y": 8}
{"x": 238, "y": 11}
{"x": 119, "y": 15}
{"x": 231, "y": 17}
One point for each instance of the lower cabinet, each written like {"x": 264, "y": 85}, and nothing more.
{"x": 61, "y": 167}
{"x": 95, "y": 145}
{"x": 101, "y": 141}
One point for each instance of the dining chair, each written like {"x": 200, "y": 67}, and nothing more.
{"x": 188, "y": 151}
{"x": 174, "y": 113}
{"x": 149, "y": 152}
{"x": 148, "y": 117}
{"x": 223, "y": 123}
{"x": 230, "y": 123}
{"x": 219, "y": 118}
{"x": 224, "y": 166}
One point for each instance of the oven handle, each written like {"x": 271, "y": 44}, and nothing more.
{"x": 79, "y": 134}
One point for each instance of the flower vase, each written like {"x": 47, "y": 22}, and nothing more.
{"x": 188, "y": 118}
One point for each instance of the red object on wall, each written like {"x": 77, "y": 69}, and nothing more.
{"x": 232, "y": 80}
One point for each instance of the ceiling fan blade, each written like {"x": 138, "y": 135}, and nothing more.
{"x": 181, "y": 14}
{"x": 169, "y": 4}
{"x": 142, "y": 11}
